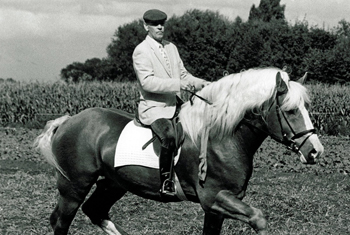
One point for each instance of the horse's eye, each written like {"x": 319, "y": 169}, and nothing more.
{"x": 292, "y": 111}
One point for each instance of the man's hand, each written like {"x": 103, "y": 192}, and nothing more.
{"x": 205, "y": 84}
{"x": 185, "y": 85}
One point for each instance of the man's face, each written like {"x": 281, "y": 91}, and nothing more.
{"x": 155, "y": 30}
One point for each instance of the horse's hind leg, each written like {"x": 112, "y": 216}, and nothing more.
{"x": 100, "y": 202}
{"x": 71, "y": 196}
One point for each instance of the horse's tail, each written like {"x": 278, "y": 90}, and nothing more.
{"x": 44, "y": 140}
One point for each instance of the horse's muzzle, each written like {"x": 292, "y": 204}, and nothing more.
{"x": 311, "y": 151}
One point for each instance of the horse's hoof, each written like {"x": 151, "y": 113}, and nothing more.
{"x": 108, "y": 227}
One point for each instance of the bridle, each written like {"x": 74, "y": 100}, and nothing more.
{"x": 284, "y": 139}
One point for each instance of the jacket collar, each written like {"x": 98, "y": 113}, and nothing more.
{"x": 153, "y": 43}
{"x": 155, "y": 47}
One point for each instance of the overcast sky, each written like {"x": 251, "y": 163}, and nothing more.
{"x": 40, "y": 37}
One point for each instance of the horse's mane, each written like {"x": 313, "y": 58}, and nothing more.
{"x": 232, "y": 96}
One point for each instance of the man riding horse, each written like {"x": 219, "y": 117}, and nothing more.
{"x": 161, "y": 75}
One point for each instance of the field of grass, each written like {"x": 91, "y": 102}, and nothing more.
{"x": 295, "y": 203}
{"x": 296, "y": 198}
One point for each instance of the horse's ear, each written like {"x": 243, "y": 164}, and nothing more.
{"x": 302, "y": 79}
{"x": 280, "y": 84}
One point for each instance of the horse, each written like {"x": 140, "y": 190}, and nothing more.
{"x": 244, "y": 109}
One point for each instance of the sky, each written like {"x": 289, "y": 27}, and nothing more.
{"x": 40, "y": 37}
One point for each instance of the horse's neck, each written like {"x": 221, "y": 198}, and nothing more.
{"x": 250, "y": 138}
{"x": 244, "y": 142}
{"x": 230, "y": 160}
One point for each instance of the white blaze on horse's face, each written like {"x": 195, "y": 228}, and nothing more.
{"x": 312, "y": 139}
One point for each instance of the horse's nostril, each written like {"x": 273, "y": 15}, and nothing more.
{"x": 313, "y": 155}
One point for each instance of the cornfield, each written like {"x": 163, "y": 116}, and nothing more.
{"x": 32, "y": 104}
{"x": 330, "y": 108}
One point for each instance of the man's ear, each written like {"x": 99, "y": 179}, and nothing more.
{"x": 145, "y": 26}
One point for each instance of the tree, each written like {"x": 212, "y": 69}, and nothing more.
{"x": 321, "y": 39}
{"x": 72, "y": 72}
{"x": 331, "y": 65}
{"x": 124, "y": 41}
{"x": 204, "y": 40}
{"x": 92, "y": 69}
{"x": 343, "y": 29}
{"x": 210, "y": 44}
{"x": 268, "y": 10}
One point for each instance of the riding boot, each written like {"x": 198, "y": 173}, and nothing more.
{"x": 166, "y": 161}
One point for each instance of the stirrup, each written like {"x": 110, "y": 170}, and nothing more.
{"x": 166, "y": 192}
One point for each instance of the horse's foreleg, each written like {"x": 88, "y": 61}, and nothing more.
{"x": 99, "y": 204}
{"x": 212, "y": 224}
{"x": 227, "y": 204}
{"x": 111, "y": 229}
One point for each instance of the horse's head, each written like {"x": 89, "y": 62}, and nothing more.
{"x": 263, "y": 100}
{"x": 288, "y": 121}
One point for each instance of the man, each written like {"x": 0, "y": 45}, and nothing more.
{"x": 161, "y": 75}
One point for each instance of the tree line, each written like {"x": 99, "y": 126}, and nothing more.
{"x": 210, "y": 44}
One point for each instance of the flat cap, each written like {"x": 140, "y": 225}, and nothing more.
{"x": 154, "y": 15}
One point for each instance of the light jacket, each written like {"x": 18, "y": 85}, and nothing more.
{"x": 159, "y": 85}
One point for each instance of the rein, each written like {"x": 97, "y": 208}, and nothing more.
{"x": 198, "y": 96}
{"x": 192, "y": 92}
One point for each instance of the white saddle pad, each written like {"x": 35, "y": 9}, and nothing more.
{"x": 129, "y": 148}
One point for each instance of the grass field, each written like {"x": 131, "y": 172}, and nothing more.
{"x": 295, "y": 203}
{"x": 304, "y": 200}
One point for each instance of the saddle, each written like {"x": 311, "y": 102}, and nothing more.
{"x": 179, "y": 136}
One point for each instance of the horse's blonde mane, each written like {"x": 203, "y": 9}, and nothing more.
{"x": 232, "y": 96}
